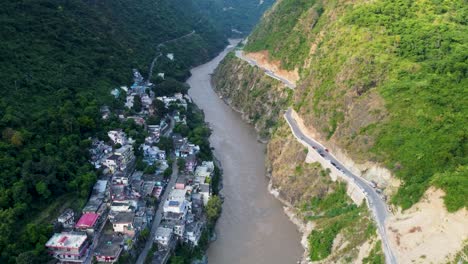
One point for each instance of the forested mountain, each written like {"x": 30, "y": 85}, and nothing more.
{"x": 234, "y": 17}
{"x": 60, "y": 59}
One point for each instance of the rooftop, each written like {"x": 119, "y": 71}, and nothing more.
{"x": 204, "y": 188}
{"x": 123, "y": 217}
{"x": 87, "y": 220}
{"x": 163, "y": 232}
{"x": 109, "y": 245}
{"x": 100, "y": 186}
{"x": 67, "y": 240}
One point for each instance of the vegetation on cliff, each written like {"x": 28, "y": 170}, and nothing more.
{"x": 247, "y": 89}
{"x": 385, "y": 79}
{"x": 340, "y": 226}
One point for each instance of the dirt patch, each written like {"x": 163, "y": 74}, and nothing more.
{"x": 428, "y": 230}
{"x": 262, "y": 59}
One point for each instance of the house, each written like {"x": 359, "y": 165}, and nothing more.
{"x": 123, "y": 223}
{"x": 67, "y": 218}
{"x": 163, "y": 236}
{"x": 94, "y": 205}
{"x": 205, "y": 192}
{"x": 126, "y": 156}
{"x": 187, "y": 149}
{"x": 105, "y": 111}
{"x": 118, "y": 137}
{"x": 193, "y": 233}
{"x": 146, "y": 101}
{"x": 120, "y": 192}
{"x": 178, "y": 226}
{"x": 68, "y": 247}
{"x": 176, "y": 207}
{"x": 129, "y": 101}
{"x": 157, "y": 191}
{"x": 180, "y": 183}
{"x": 138, "y": 120}
{"x": 154, "y": 130}
{"x": 178, "y": 141}
{"x": 100, "y": 188}
{"x": 109, "y": 248}
{"x": 177, "y": 194}
{"x": 152, "y": 153}
{"x": 140, "y": 222}
{"x": 121, "y": 206}
{"x": 112, "y": 162}
{"x": 119, "y": 178}
{"x": 190, "y": 163}
{"x": 148, "y": 188}
{"x": 87, "y": 222}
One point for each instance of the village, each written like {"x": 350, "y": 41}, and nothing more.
{"x": 151, "y": 193}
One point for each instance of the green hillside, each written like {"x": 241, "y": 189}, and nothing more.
{"x": 386, "y": 80}
{"x": 234, "y": 17}
{"x": 60, "y": 59}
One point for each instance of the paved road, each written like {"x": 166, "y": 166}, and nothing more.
{"x": 375, "y": 202}
{"x": 158, "y": 215}
{"x": 240, "y": 55}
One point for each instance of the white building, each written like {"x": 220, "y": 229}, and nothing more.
{"x": 68, "y": 247}
{"x": 123, "y": 223}
{"x": 193, "y": 233}
{"x": 205, "y": 192}
{"x": 163, "y": 236}
{"x": 118, "y": 137}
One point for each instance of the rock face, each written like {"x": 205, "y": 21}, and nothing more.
{"x": 248, "y": 90}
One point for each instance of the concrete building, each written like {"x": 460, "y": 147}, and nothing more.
{"x": 163, "y": 236}
{"x": 67, "y": 218}
{"x": 109, "y": 248}
{"x": 68, "y": 247}
{"x": 123, "y": 223}
{"x": 87, "y": 222}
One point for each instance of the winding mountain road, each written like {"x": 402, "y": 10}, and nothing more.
{"x": 240, "y": 55}
{"x": 374, "y": 200}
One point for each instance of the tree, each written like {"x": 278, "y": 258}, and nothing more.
{"x": 168, "y": 172}
{"x": 41, "y": 188}
{"x": 160, "y": 108}
{"x": 213, "y": 208}
{"x": 165, "y": 143}
{"x": 181, "y": 163}
{"x": 137, "y": 103}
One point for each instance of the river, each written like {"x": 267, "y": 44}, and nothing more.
{"x": 253, "y": 228}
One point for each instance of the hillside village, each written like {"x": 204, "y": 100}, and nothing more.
{"x": 155, "y": 191}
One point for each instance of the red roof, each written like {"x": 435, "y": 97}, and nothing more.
{"x": 87, "y": 220}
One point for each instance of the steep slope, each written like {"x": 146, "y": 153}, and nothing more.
{"x": 386, "y": 80}
{"x": 60, "y": 61}
{"x": 383, "y": 85}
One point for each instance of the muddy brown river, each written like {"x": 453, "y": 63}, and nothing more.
{"x": 253, "y": 228}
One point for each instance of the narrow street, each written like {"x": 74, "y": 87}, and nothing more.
{"x": 158, "y": 214}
